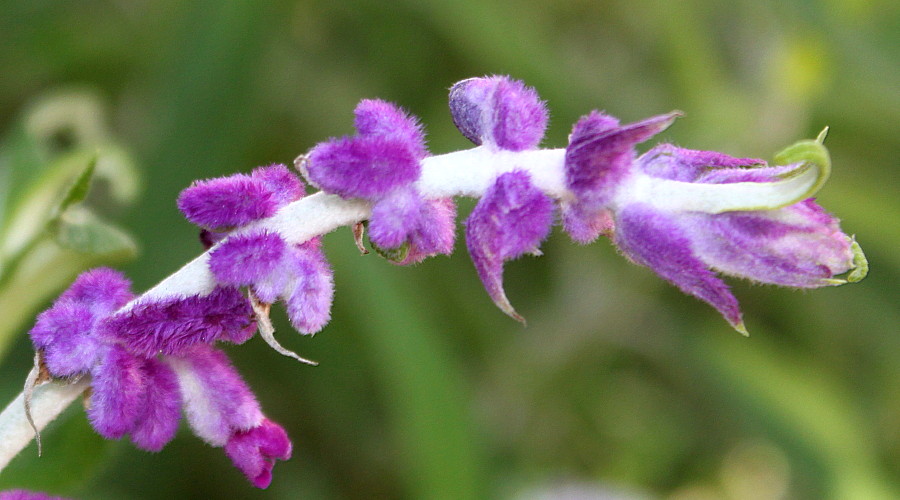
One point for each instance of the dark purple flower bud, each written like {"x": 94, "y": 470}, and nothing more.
{"x": 511, "y": 219}
{"x": 158, "y": 422}
{"x": 118, "y": 396}
{"x": 217, "y": 401}
{"x": 284, "y": 185}
{"x": 66, "y": 332}
{"x": 254, "y": 451}
{"x": 170, "y": 326}
{"x": 247, "y": 258}
{"x": 382, "y": 118}
{"x": 227, "y": 202}
{"x": 598, "y": 159}
{"x": 309, "y": 301}
{"x": 498, "y": 111}
{"x": 363, "y": 167}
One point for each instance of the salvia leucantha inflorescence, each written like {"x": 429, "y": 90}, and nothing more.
{"x": 688, "y": 215}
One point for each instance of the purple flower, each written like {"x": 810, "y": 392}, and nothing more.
{"x": 298, "y": 274}
{"x": 224, "y": 203}
{"x": 511, "y": 219}
{"x": 380, "y": 164}
{"x": 689, "y": 214}
{"x": 222, "y": 411}
{"x": 65, "y": 332}
{"x": 158, "y": 422}
{"x": 169, "y": 326}
{"x": 119, "y": 385}
{"x": 254, "y": 451}
{"x": 499, "y": 112}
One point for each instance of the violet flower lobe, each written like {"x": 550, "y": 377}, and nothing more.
{"x": 513, "y": 216}
{"x": 688, "y": 214}
{"x": 381, "y": 164}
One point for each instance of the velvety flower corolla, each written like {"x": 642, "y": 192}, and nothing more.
{"x": 498, "y": 112}
{"x": 688, "y": 214}
{"x": 146, "y": 360}
{"x": 224, "y": 203}
{"x": 298, "y": 274}
{"x": 510, "y": 220}
{"x": 222, "y": 411}
{"x": 380, "y": 164}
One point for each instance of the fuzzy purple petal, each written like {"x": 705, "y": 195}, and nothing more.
{"x": 435, "y": 232}
{"x": 227, "y": 202}
{"x": 799, "y": 246}
{"x": 687, "y": 165}
{"x": 103, "y": 289}
{"x": 653, "y": 239}
{"x": 170, "y": 326}
{"x": 217, "y": 401}
{"x": 284, "y": 185}
{"x": 511, "y": 219}
{"x": 162, "y": 407}
{"x": 600, "y": 155}
{"x": 309, "y": 302}
{"x": 255, "y": 451}
{"x": 498, "y": 111}
{"x": 395, "y": 217}
{"x": 585, "y": 224}
{"x": 362, "y": 167}
{"x": 118, "y": 393}
{"x": 247, "y": 258}
{"x": 377, "y": 117}
{"x": 65, "y": 332}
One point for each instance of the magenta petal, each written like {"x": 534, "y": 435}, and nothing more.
{"x": 278, "y": 179}
{"x": 652, "y": 239}
{"x": 118, "y": 393}
{"x": 159, "y": 421}
{"x": 102, "y": 289}
{"x": 27, "y": 495}
{"x": 395, "y": 216}
{"x": 584, "y": 225}
{"x": 362, "y": 167}
{"x": 377, "y": 117}
{"x": 255, "y": 451}
{"x": 170, "y": 326}
{"x": 687, "y": 165}
{"x": 798, "y": 246}
{"x": 600, "y": 155}
{"x": 217, "y": 401}
{"x": 435, "y": 232}
{"x": 247, "y": 258}
{"x": 227, "y": 202}
{"x": 309, "y": 303}
{"x": 511, "y": 219}
{"x": 65, "y": 335}
{"x": 499, "y": 111}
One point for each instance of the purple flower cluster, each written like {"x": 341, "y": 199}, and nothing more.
{"x": 149, "y": 361}
{"x": 685, "y": 214}
{"x": 381, "y": 164}
{"x": 799, "y": 245}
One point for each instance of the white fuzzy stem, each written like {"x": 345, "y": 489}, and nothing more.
{"x": 47, "y": 402}
{"x": 463, "y": 173}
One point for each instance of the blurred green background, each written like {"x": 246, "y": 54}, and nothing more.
{"x": 619, "y": 385}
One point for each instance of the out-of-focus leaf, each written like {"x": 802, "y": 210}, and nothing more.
{"x": 82, "y": 231}
{"x": 78, "y": 191}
